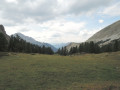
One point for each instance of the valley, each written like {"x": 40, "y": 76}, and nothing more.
{"x": 59, "y": 45}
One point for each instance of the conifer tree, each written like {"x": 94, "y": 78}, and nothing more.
{"x": 116, "y": 45}
{"x": 17, "y": 44}
{"x": 3, "y": 42}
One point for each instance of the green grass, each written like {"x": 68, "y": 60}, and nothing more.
{"x": 45, "y": 72}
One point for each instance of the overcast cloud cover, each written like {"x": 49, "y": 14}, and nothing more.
{"x": 58, "y": 21}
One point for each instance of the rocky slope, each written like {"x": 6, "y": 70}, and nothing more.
{"x": 104, "y": 36}
{"x": 2, "y": 30}
{"x": 72, "y": 45}
{"x": 33, "y": 41}
{"x": 107, "y": 34}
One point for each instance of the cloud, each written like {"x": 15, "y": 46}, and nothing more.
{"x": 56, "y": 31}
{"x": 14, "y": 29}
{"x": 56, "y": 35}
{"x": 113, "y": 10}
{"x": 45, "y": 20}
{"x": 87, "y": 6}
{"x": 24, "y": 30}
{"x": 101, "y": 21}
{"x": 12, "y": 1}
{"x": 39, "y": 11}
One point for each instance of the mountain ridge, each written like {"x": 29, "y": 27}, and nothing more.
{"x": 110, "y": 32}
{"x": 33, "y": 41}
{"x": 104, "y": 36}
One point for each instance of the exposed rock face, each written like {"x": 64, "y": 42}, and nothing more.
{"x": 107, "y": 34}
{"x": 2, "y": 30}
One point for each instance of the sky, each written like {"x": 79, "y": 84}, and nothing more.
{"x": 58, "y": 21}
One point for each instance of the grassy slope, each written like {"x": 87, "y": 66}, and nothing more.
{"x": 45, "y": 72}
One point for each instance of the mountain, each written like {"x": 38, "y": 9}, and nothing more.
{"x": 73, "y": 44}
{"x": 60, "y": 45}
{"x": 33, "y": 41}
{"x": 103, "y": 36}
{"x": 107, "y": 34}
{"x": 2, "y": 30}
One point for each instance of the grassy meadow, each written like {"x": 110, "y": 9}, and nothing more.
{"x": 20, "y": 71}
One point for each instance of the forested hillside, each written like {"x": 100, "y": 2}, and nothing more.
{"x": 16, "y": 44}
{"x": 91, "y": 47}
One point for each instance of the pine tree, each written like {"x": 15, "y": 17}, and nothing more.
{"x": 92, "y": 47}
{"x": 97, "y": 48}
{"x": 3, "y": 42}
{"x": 58, "y": 51}
{"x": 71, "y": 51}
{"x": 116, "y": 45}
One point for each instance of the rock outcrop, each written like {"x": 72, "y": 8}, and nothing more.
{"x": 2, "y": 30}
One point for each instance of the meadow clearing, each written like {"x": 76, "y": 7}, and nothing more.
{"x": 19, "y": 71}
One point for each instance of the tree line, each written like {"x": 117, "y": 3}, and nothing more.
{"x": 111, "y": 47}
{"x": 17, "y": 44}
{"x": 91, "y": 47}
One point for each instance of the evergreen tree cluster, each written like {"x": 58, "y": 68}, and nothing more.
{"x": 111, "y": 47}
{"x": 16, "y": 44}
{"x": 3, "y": 42}
{"x": 86, "y": 47}
{"x": 63, "y": 51}
{"x": 91, "y": 47}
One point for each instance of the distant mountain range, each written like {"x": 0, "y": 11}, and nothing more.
{"x": 104, "y": 36}
{"x": 33, "y": 41}
{"x": 60, "y": 45}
